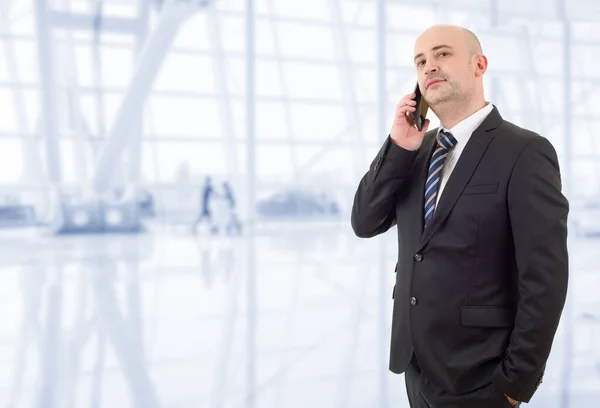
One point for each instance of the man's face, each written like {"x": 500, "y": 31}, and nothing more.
{"x": 443, "y": 66}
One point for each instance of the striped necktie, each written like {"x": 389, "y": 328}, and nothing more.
{"x": 445, "y": 142}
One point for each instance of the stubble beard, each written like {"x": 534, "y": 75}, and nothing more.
{"x": 450, "y": 100}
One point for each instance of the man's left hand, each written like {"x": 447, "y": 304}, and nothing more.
{"x": 512, "y": 401}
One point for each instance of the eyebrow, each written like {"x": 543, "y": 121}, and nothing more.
{"x": 437, "y": 47}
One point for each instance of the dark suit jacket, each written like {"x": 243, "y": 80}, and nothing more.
{"x": 479, "y": 293}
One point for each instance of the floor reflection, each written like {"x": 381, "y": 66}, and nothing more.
{"x": 159, "y": 320}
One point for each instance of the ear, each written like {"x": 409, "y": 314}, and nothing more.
{"x": 481, "y": 64}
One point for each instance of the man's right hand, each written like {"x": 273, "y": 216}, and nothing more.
{"x": 403, "y": 131}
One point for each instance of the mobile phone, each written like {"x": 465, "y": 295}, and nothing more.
{"x": 421, "y": 109}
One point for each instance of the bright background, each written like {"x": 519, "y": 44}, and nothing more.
{"x": 114, "y": 112}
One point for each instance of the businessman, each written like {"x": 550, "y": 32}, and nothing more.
{"x": 481, "y": 220}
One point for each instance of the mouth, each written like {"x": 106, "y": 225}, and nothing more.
{"x": 434, "y": 81}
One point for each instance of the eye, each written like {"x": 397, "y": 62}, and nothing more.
{"x": 443, "y": 53}
{"x": 420, "y": 63}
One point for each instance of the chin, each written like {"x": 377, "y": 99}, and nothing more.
{"x": 433, "y": 98}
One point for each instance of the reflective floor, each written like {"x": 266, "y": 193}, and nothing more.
{"x": 297, "y": 317}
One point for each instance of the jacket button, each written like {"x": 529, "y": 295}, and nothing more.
{"x": 413, "y": 301}
{"x": 418, "y": 257}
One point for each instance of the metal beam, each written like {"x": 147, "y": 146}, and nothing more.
{"x": 352, "y": 117}
{"x": 494, "y": 20}
{"x": 251, "y": 295}
{"x": 219, "y": 60}
{"x": 569, "y": 312}
{"x": 482, "y": 11}
{"x": 400, "y": 69}
{"x": 49, "y": 112}
{"x": 567, "y": 106}
{"x": 77, "y": 122}
{"x": 51, "y": 345}
{"x": 287, "y": 99}
{"x": 344, "y": 60}
{"x": 118, "y": 331}
{"x": 148, "y": 64}
{"x": 504, "y": 34}
{"x": 135, "y": 147}
{"x": 32, "y": 171}
{"x": 507, "y": 31}
{"x": 384, "y": 269}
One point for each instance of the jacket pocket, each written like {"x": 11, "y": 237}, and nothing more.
{"x": 481, "y": 188}
{"x": 486, "y": 316}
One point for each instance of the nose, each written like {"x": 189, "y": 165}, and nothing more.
{"x": 429, "y": 68}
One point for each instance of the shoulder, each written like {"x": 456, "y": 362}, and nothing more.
{"x": 533, "y": 155}
{"x": 522, "y": 140}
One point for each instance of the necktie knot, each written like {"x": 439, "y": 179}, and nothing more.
{"x": 446, "y": 140}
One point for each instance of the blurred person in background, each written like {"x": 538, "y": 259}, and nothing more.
{"x": 482, "y": 268}
{"x": 206, "y": 208}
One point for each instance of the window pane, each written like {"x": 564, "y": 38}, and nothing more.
{"x": 186, "y": 72}
{"x": 162, "y": 161}
{"x": 584, "y": 55}
{"x": 362, "y": 46}
{"x": 405, "y": 16}
{"x": 268, "y": 80}
{"x": 271, "y": 120}
{"x": 31, "y": 109}
{"x": 400, "y": 50}
{"x": 112, "y": 104}
{"x": 7, "y": 107}
{"x": 274, "y": 163}
{"x": 11, "y": 157}
{"x": 21, "y": 17}
{"x": 314, "y": 10}
{"x": 233, "y": 34}
{"x": 368, "y": 125}
{"x": 362, "y": 12}
{"x": 27, "y": 63}
{"x": 584, "y": 138}
{"x": 537, "y": 53}
{"x": 335, "y": 164}
{"x": 266, "y": 38}
{"x": 313, "y": 81}
{"x": 297, "y": 40}
{"x": 76, "y": 161}
{"x": 321, "y": 122}
{"x": 585, "y": 178}
{"x": 365, "y": 84}
{"x": 4, "y": 73}
{"x": 117, "y": 66}
{"x": 184, "y": 117}
{"x": 85, "y": 72}
{"x": 193, "y": 32}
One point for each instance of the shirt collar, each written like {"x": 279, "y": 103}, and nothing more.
{"x": 465, "y": 128}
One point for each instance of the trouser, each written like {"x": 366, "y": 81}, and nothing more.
{"x": 423, "y": 393}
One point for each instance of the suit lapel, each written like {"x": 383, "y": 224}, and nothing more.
{"x": 464, "y": 169}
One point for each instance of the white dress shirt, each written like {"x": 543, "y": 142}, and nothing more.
{"x": 462, "y": 132}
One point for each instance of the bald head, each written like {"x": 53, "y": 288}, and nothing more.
{"x": 472, "y": 42}
{"x": 457, "y": 34}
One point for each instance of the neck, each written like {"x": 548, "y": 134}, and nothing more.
{"x": 449, "y": 115}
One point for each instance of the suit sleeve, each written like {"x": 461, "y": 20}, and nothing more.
{"x": 538, "y": 214}
{"x": 373, "y": 210}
